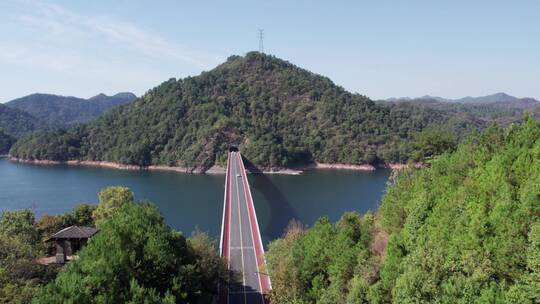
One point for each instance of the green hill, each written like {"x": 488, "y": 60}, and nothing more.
{"x": 281, "y": 115}
{"x": 502, "y": 111}
{"x": 464, "y": 230}
{"x": 6, "y": 141}
{"x": 67, "y": 110}
{"x": 16, "y": 122}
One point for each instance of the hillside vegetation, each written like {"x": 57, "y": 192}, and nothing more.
{"x": 16, "y": 122}
{"x": 134, "y": 258}
{"x": 6, "y": 141}
{"x": 464, "y": 230}
{"x": 281, "y": 115}
{"x": 481, "y": 112}
{"x": 66, "y": 110}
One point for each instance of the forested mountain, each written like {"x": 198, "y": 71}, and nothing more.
{"x": 6, "y": 141}
{"x": 464, "y": 230}
{"x": 65, "y": 110}
{"x": 16, "y": 122}
{"x": 502, "y": 110}
{"x": 282, "y": 115}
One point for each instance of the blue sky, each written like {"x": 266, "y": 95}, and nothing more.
{"x": 377, "y": 48}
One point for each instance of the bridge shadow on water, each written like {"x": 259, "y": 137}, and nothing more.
{"x": 281, "y": 211}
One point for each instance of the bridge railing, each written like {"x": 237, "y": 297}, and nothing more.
{"x": 224, "y": 250}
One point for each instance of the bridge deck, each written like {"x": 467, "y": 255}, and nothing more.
{"x": 241, "y": 243}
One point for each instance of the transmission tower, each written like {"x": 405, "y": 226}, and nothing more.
{"x": 261, "y": 37}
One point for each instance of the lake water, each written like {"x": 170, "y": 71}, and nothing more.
{"x": 190, "y": 202}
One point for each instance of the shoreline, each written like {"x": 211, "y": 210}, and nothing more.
{"x": 216, "y": 169}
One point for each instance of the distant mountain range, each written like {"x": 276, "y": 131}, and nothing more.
{"x": 46, "y": 112}
{"x": 501, "y": 108}
{"x": 66, "y": 110}
{"x": 493, "y": 98}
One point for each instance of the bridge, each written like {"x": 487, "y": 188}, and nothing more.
{"x": 241, "y": 243}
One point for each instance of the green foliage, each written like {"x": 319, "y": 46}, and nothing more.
{"x": 81, "y": 215}
{"x": 20, "y": 224}
{"x": 16, "y": 122}
{"x": 325, "y": 264}
{"x": 6, "y": 141}
{"x": 465, "y": 229}
{"x": 59, "y": 145}
{"x": 136, "y": 258}
{"x": 20, "y": 275}
{"x": 49, "y": 224}
{"x": 431, "y": 142}
{"x": 280, "y": 114}
{"x": 110, "y": 199}
{"x": 527, "y": 288}
{"x": 481, "y": 114}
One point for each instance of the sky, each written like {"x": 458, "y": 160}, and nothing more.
{"x": 380, "y": 48}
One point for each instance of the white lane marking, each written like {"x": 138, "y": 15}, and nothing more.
{"x": 241, "y": 240}
{"x": 246, "y": 187}
{"x": 241, "y": 248}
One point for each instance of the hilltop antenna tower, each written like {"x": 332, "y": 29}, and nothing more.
{"x": 261, "y": 37}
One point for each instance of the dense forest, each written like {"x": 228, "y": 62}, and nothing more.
{"x": 281, "y": 115}
{"x": 16, "y": 122}
{"x": 464, "y": 230}
{"x": 6, "y": 141}
{"x": 134, "y": 258}
{"x": 480, "y": 112}
{"x": 66, "y": 110}
{"x": 45, "y": 112}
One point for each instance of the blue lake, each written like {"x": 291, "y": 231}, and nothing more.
{"x": 190, "y": 201}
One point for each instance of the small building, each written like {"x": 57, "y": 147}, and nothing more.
{"x": 70, "y": 240}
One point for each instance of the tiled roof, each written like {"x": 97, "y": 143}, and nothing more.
{"x": 74, "y": 232}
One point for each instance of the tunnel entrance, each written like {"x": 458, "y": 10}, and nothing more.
{"x": 233, "y": 148}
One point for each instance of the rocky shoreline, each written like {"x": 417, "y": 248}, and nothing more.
{"x": 112, "y": 165}
{"x": 364, "y": 167}
{"x": 214, "y": 169}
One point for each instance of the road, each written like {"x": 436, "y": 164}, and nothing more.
{"x": 241, "y": 241}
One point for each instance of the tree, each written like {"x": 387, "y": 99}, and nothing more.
{"x": 329, "y": 263}
{"x": 47, "y": 226}
{"x": 20, "y": 224}
{"x": 280, "y": 114}
{"x": 466, "y": 229}
{"x": 135, "y": 257}
{"x": 432, "y": 141}
{"x": 527, "y": 289}
{"x": 20, "y": 275}
{"x": 6, "y": 141}
{"x": 110, "y": 199}
{"x": 81, "y": 215}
